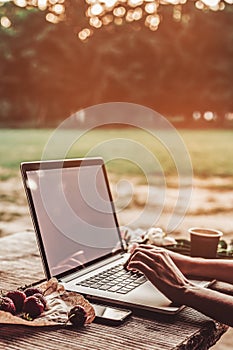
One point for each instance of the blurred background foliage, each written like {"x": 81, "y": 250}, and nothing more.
{"x": 47, "y": 73}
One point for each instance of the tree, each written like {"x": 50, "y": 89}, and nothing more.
{"x": 47, "y": 73}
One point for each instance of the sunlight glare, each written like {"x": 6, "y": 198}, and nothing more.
{"x": 129, "y": 16}
{"x": 119, "y": 11}
{"x": 196, "y": 115}
{"x": 54, "y": 2}
{"x": 137, "y": 14}
{"x": 135, "y": 3}
{"x": 91, "y": 2}
{"x": 42, "y": 4}
{"x": 229, "y": 116}
{"x": 107, "y": 19}
{"x": 5, "y": 22}
{"x": 84, "y": 34}
{"x": 33, "y": 3}
{"x": 58, "y": 9}
{"x": 109, "y": 4}
{"x": 151, "y": 7}
{"x": 153, "y": 20}
{"x": 50, "y": 17}
{"x": 172, "y": 2}
{"x": 96, "y": 9}
{"x": 20, "y": 3}
{"x": 95, "y": 22}
{"x": 100, "y": 13}
{"x": 211, "y": 3}
{"x": 222, "y": 6}
{"x": 199, "y": 5}
{"x": 118, "y": 21}
{"x": 177, "y": 13}
{"x": 208, "y": 115}
{"x": 153, "y": 28}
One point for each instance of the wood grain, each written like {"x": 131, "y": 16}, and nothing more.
{"x": 20, "y": 264}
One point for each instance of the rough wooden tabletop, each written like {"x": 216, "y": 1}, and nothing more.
{"x": 20, "y": 264}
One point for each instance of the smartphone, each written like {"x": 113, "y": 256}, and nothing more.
{"x": 110, "y": 315}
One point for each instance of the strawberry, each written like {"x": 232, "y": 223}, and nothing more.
{"x": 6, "y": 304}
{"x": 18, "y": 298}
{"x": 41, "y": 298}
{"x": 77, "y": 316}
{"x": 33, "y": 306}
{"x": 32, "y": 290}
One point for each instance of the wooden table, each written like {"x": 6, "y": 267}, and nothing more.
{"x": 20, "y": 264}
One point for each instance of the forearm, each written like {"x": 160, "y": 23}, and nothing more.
{"x": 211, "y": 303}
{"x": 219, "y": 269}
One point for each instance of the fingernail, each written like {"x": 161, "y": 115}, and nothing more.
{"x": 130, "y": 268}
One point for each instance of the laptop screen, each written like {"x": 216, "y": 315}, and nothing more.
{"x": 74, "y": 213}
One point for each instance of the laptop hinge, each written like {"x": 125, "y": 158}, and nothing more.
{"x": 86, "y": 270}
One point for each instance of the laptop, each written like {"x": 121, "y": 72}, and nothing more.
{"x": 79, "y": 236}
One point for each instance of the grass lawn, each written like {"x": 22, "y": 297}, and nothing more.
{"x": 211, "y": 151}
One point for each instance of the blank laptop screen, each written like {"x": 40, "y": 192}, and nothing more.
{"x": 74, "y": 214}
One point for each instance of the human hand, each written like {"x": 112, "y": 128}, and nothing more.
{"x": 156, "y": 264}
{"x": 184, "y": 263}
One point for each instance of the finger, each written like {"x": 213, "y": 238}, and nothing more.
{"x": 142, "y": 257}
{"x": 162, "y": 258}
{"x": 148, "y": 268}
{"x": 143, "y": 268}
{"x": 158, "y": 254}
{"x": 162, "y": 264}
{"x": 147, "y": 251}
{"x": 133, "y": 247}
{"x": 136, "y": 249}
{"x": 159, "y": 262}
{"x": 143, "y": 248}
{"x": 153, "y": 253}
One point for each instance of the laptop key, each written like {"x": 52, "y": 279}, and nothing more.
{"x": 114, "y": 288}
{"x": 104, "y": 287}
{"x": 123, "y": 291}
{"x": 83, "y": 284}
{"x": 142, "y": 279}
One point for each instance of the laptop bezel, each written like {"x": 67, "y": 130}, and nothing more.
{"x": 26, "y": 167}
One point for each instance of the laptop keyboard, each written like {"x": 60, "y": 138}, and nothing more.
{"x": 116, "y": 279}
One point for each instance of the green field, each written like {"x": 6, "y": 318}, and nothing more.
{"x": 211, "y": 151}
